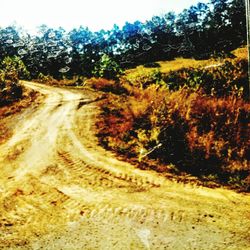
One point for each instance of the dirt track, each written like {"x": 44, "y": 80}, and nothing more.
{"x": 60, "y": 190}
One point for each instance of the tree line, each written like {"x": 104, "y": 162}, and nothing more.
{"x": 199, "y": 31}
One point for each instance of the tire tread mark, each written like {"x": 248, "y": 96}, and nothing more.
{"x": 111, "y": 179}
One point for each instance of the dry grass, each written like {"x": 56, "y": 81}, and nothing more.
{"x": 180, "y": 63}
{"x": 201, "y": 135}
{"x": 188, "y": 128}
{"x": 104, "y": 85}
{"x": 241, "y": 53}
{"x": 176, "y": 64}
{"x": 47, "y": 79}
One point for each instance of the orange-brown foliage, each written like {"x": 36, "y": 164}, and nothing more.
{"x": 198, "y": 133}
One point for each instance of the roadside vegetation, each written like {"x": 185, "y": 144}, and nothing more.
{"x": 13, "y": 96}
{"x": 191, "y": 121}
{"x": 11, "y": 69}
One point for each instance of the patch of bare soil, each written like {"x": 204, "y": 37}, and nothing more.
{"x": 8, "y": 112}
{"x": 60, "y": 190}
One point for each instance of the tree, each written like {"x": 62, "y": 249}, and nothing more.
{"x": 9, "y": 39}
{"x": 11, "y": 70}
{"x": 237, "y": 21}
{"x": 107, "y": 68}
{"x": 198, "y": 32}
{"x": 14, "y": 67}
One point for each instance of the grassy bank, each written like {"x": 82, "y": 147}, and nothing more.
{"x": 193, "y": 120}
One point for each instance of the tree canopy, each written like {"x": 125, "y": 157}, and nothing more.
{"x": 198, "y": 32}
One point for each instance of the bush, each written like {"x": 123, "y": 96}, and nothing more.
{"x": 201, "y": 135}
{"x": 10, "y": 89}
{"x": 14, "y": 66}
{"x": 43, "y": 78}
{"x": 47, "y": 79}
{"x": 193, "y": 118}
{"x": 142, "y": 77}
{"x": 105, "y": 85}
{"x": 223, "y": 80}
{"x": 107, "y": 68}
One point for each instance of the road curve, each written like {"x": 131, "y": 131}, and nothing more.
{"x": 60, "y": 190}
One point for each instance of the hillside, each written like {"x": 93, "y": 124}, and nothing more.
{"x": 172, "y": 119}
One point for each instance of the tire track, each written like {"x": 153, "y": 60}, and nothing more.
{"x": 98, "y": 174}
{"x": 55, "y": 176}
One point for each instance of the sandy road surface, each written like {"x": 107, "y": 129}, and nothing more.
{"x": 60, "y": 190}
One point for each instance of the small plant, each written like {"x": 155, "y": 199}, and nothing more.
{"x": 107, "y": 68}
{"x": 14, "y": 66}
{"x": 10, "y": 89}
{"x": 105, "y": 85}
{"x": 142, "y": 78}
{"x": 43, "y": 78}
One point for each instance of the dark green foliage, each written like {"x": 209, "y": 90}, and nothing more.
{"x": 200, "y": 31}
{"x": 10, "y": 89}
{"x": 11, "y": 70}
{"x": 152, "y": 65}
{"x": 222, "y": 80}
{"x": 107, "y": 68}
{"x": 14, "y": 66}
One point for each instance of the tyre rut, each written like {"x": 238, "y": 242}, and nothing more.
{"x": 54, "y": 173}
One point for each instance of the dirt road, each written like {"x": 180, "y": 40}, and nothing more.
{"x": 60, "y": 190}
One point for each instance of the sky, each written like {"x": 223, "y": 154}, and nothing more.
{"x": 95, "y": 14}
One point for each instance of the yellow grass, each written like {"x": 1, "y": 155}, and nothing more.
{"x": 241, "y": 53}
{"x": 178, "y": 63}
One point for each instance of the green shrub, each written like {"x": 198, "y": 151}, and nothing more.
{"x": 43, "y": 78}
{"x": 222, "y": 80}
{"x": 107, "y": 68}
{"x": 14, "y": 67}
{"x": 142, "y": 77}
{"x": 10, "y": 89}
